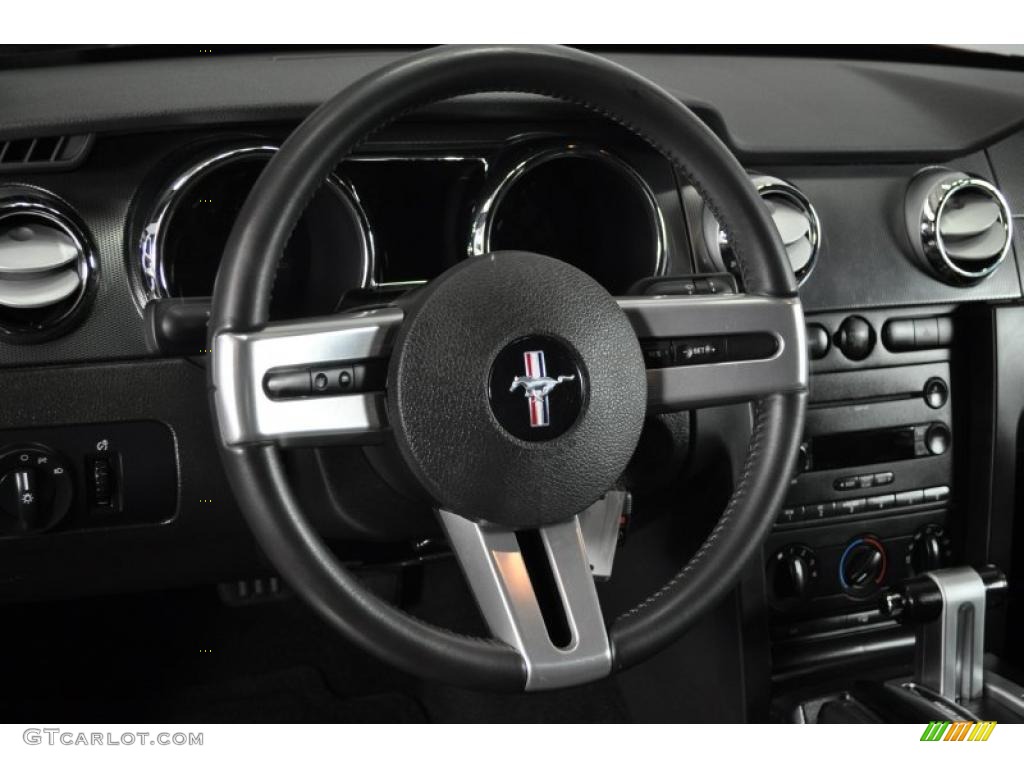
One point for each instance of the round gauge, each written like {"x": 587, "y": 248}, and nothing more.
{"x": 329, "y": 253}
{"x": 580, "y": 204}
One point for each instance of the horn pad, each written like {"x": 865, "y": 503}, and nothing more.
{"x": 516, "y": 389}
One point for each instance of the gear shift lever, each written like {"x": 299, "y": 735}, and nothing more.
{"x": 947, "y": 607}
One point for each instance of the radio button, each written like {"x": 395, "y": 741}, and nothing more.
{"x": 938, "y": 493}
{"x": 818, "y": 342}
{"x": 909, "y": 498}
{"x": 855, "y": 338}
{"x": 850, "y": 506}
{"x": 820, "y": 511}
{"x": 846, "y": 483}
{"x": 884, "y": 478}
{"x": 881, "y": 502}
{"x": 936, "y": 392}
{"x": 865, "y": 481}
{"x": 937, "y": 439}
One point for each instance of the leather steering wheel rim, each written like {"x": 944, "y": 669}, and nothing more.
{"x": 241, "y": 304}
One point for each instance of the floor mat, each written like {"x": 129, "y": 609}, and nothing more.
{"x": 288, "y": 696}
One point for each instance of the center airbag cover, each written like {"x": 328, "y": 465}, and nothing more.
{"x": 447, "y": 398}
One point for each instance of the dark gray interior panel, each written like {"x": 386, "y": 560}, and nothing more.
{"x": 206, "y": 539}
{"x": 866, "y": 259}
{"x": 770, "y": 107}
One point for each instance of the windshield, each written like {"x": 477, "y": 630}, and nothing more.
{"x": 997, "y": 56}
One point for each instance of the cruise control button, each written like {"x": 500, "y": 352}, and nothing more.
{"x": 657, "y": 354}
{"x": 345, "y": 379}
{"x": 703, "y": 350}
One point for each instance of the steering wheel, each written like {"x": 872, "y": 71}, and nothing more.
{"x": 513, "y": 386}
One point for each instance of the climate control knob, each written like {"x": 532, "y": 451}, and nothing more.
{"x": 792, "y": 575}
{"x": 929, "y": 550}
{"x": 862, "y": 566}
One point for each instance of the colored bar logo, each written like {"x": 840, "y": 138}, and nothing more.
{"x": 958, "y": 730}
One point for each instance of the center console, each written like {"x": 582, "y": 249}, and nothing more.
{"x": 870, "y": 501}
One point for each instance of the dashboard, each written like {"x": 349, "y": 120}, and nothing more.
{"x": 898, "y": 204}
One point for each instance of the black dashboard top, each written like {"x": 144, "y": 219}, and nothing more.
{"x": 768, "y": 108}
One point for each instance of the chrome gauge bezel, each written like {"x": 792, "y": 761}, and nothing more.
{"x": 150, "y": 263}
{"x": 527, "y": 156}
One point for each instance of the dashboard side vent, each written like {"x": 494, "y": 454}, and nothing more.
{"x": 46, "y": 268}
{"x": 794, "y": 217}
{"x": 959, "y": 225}
{"x": 46, "y": 153}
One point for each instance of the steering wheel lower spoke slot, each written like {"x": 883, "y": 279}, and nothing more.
{"x": 547, "y": 611}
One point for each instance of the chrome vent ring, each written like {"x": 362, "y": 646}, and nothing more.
{"x": 959, "y": 225}
{"x": 794, "y": 216}
{"x": 47, "y": 266}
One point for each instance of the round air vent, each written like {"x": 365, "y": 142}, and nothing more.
{"x": 959, "y": 225}
{"x": 794, "y": 217}
{"x": 45, "y": 267}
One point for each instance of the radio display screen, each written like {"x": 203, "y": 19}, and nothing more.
{"x": 855, "y": 449}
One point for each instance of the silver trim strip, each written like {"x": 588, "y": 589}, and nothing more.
{"x": 1005, "y": 692}
{"x": 493, "y": 564}
{"x": 245, "y": 413}
{"x": 697, "y": 386}
{"x": 949, "y": 657}
{"x": 600, "y": 524}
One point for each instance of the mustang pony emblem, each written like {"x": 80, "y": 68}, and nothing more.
{"x": 537, "y": 385}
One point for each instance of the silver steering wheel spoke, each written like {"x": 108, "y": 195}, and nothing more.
{"x": 536, "y": 592}
{"x": 305, "y": 382}
{"x": 714, "y": 350}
